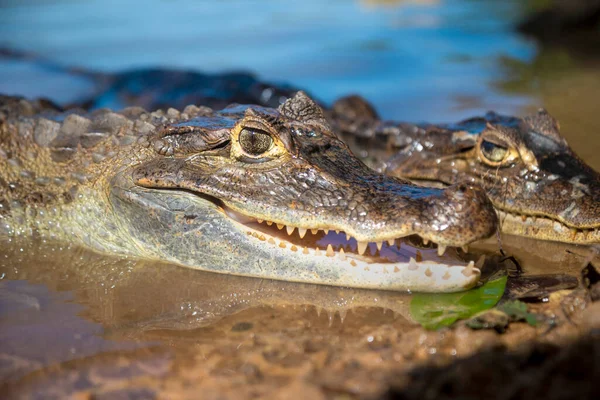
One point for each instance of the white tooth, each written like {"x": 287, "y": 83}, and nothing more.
{"x": 480, "y": 262}
{"x": 337, "y": 231}
{"x": 419, "y": 256}
{"x": 391, "y": 242}
{"x": 573, "y": 234}
{"x": 379, "y": 245}
{"x": 301, "y": 232}
{"x": 329, "y": 252}
{"x": 314, "y": 231}
{"x": 347, "y": 237}
{"x": 446, "y": 275}
{"x": 441, "y": 249}
{"x": 326, "y": 231}
{"x": 425, "y": 242}
{"x": 317, "y": 252}
{"x": 412, "y": 264}
{"x": 468, "y": 271}
{"x": 362, "y": 246}
{"x": 465, "y": 249}
{"x": 342, "y": 254}
{"x": 290, "y": 229}
{"x": 280, "y": 226}
{"x": 269, "y": 223}
{"x": 260, "y": 221}
{"x": 428, "y": 272}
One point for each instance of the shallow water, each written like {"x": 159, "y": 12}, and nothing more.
{"x": 75, "y": 321}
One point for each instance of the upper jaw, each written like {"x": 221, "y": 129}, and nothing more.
{"x": 370, "y": 207}
{"x": 456, "y": 216}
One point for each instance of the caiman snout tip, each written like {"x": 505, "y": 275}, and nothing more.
{"x": 471, "y": 211}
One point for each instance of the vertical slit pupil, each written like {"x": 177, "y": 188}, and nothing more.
{"x": 254, "y": 141}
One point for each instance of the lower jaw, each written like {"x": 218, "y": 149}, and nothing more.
{"x": 545, "y": 229}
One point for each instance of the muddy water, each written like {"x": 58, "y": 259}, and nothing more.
{"x": 75, "y": 322}
{"x": 78, "y": 323}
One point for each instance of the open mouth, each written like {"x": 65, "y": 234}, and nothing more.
{"x": 317, "y": 256}
{"x": 409, "y": 255}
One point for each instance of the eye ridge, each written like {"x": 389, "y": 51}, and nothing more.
{"x": 255, "y": 141}
{"x": 492, "y": 151}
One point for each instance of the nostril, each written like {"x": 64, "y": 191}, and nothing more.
{"x": 462, "y": 188}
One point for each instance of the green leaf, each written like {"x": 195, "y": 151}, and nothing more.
{"x": 434, "y": 311}
{"x": 517, "y": 311}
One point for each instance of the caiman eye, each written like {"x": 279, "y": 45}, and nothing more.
{"x": 493, "y": 152}
{"x": 255, "y": 142}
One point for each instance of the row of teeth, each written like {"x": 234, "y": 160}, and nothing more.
{"x": 361, "y": 246}
{"x": 584, "y": 232}
{"x": 329, "y": 252}
{"x": 574, "y": 231}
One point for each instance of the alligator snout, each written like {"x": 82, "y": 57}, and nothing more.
{"x": 463, "y": 214}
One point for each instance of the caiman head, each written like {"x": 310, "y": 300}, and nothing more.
{"x": 273, "y": 193}
{"x": 538, "y": 185}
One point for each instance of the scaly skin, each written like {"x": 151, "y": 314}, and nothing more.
{"x": 194, "y": 188}
{"x": 538, "y": 185}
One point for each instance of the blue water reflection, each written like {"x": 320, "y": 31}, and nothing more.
{"x": 419, "y": 62}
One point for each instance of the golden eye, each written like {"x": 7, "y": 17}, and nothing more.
{"x": 493, "y": 152}
{"x": 255, "y": 142}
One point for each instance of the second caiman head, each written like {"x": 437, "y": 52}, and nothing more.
{"x": 538, "y": 185}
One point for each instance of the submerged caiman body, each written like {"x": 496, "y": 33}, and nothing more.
{"x": 246, "y": 190}
{"x": 538, "y": 185}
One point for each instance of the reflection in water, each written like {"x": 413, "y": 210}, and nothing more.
{"x": 84, "y": 311}
{"x": 121, "y": 294}
{"x": 87, "y": 313}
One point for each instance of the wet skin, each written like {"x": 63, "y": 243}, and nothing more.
{"x": 247, "y": 190}
{"x": 538, "y": 185}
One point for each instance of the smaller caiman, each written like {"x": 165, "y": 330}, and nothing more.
{"x": 538, "y": 185}
{"x": 247, "y": 190}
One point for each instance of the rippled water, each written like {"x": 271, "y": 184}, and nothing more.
{"x": 68, "y": 317}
